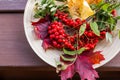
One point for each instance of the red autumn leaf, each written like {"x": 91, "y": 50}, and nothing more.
{"x": 46, "y": 43}
{"x": 41, "y": 31}
{"x": 84, "y": 67}
{"x": 96, "y": 57}
{"x": 68, "y": 73}
{"x": 41, "y": 27}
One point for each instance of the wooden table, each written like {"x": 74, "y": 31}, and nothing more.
{"x": 17, "y": 59}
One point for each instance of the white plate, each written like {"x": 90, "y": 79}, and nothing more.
{"x": 108, "y": 50}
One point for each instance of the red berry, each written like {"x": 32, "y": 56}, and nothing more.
{"x": 66, "y": 43}
{"x": 58, "y": 46}
{"x": 90, "y": 34}
{"x": 56, "y": 37}
{"x": 72, "y": 47}
{"x": 54, "y": 26}
{"x": 49, "y": 27}
{"x": 56, "y": 33}
{"x": 61, "y": 31}
{"x": 49, "y": 31}
{"x": 54, "y": 30}
{"x": 55, "y": 43}
{"x": 52, "y": 36}
{"x": 88, "y": 26}
{"x": 60, "y": 40}
{"x": 56, "y": 14}
{"x": 114, "y": 12}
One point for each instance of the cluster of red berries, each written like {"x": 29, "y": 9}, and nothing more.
{"x": 89, "y": 39}
{"x": 68, "y": 21}
{"x": 59, "y": 37}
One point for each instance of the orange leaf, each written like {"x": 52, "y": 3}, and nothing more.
{"x": 96, "y": 57}
{"x": 93, "y": 1}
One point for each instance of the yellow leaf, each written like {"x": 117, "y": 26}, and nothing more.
{"x": 86, "y": 11}
{"x": 79, "y": 8}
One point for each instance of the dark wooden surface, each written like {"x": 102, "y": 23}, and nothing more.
{"x": 12, "y": 5}
{"x": 17, "y": 59}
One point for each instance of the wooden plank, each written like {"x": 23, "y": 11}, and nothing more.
{"x": 12, "y": 5}
{"x": 34, "y": 73}
{"x": 14, "y": 48}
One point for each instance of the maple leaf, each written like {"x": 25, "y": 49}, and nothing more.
{"x": 41, "y": 31}
{"x": 94, "y": 57}
{"x": 84, "y": 67}
{"x": 68, "y": 73}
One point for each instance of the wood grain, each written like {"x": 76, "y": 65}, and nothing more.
{"x": 12, "y": 5}
{"x": 14, "y": 48}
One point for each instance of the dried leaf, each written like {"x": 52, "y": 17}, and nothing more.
{"x": 46, "y": 43}
{"x": 68, "y": 73}
{"x": 96, "y": 57}
{"x": 41, "y": 27}
{"x": 85, "y": 69}
{"x": 41, "y": 31}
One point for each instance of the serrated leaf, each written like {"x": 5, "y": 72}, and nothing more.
{"x": 82, "y": 29}
{"x": 67, "y": 59}
{"x": 94, "y": 28}
{"x": 108, "y": 37}
{"x": 74, "y": 52}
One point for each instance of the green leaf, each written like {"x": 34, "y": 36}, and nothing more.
{"x": 119, "y": 34}
{"x": 94, "y": 28}
{"x": 105, "y": 7}
{"x": 81, "y": 50}
{"x": 67, "y": 59}
{"x": 82, "y": 29}
{"x": 116, "y": 5}
{"x": 43, "y": 2}
{"x": 117, "y": 18}
{"x": 74, "y": 52}
{"x": 108, "y": 37}
{"x": 69, "y": 52}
